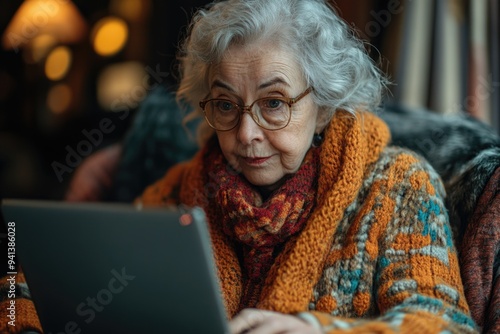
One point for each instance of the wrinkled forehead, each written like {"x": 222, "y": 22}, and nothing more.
{"x": 257, "y": 62}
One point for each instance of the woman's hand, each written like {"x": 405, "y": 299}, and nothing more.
{"x": 253, "y": 321}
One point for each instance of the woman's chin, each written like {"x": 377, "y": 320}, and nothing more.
{"x": 265, "y": 184}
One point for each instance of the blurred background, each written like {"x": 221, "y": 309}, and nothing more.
{"x": 73, "y": 73}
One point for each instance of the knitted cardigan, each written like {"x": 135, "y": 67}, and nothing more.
{"x": 376, "y": 254}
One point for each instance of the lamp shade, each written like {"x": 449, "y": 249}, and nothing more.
{"x": 57, "y": 18}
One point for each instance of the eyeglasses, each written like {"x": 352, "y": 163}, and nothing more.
{"x": 270, "y": 113}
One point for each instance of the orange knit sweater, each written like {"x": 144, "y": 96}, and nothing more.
{"x": 376, "y": 254}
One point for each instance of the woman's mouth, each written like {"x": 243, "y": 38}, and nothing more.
{"x": 255, "y": 161}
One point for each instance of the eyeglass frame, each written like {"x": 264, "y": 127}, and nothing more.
{"x": 248, "y": 109}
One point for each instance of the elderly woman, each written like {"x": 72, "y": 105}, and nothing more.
{"x": 317, "y": 224}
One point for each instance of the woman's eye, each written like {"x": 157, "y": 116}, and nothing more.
{"x": 225, "y": 105}
{"x": 273, "y": 103}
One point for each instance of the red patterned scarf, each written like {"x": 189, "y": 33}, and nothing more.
{"x": 260, "y": 227}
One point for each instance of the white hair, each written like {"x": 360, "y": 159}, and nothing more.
{"x": 333, "y": 60}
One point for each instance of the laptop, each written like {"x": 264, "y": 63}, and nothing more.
{"x": 115, "y": 268}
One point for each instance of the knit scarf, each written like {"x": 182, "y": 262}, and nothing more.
{"x": 261, "y": 226}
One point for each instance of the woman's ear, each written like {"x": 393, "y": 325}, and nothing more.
{"x": 322, "y": 119}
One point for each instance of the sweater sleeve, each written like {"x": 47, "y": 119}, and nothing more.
{"x": 416, "y": 286}
{"x": 17, "y": 311}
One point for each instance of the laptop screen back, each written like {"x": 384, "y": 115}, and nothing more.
{"x": 112, "y": 268}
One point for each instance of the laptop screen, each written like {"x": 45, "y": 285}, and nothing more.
{"x": 114, "y": 268}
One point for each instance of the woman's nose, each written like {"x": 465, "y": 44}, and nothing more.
{"x": 249, "y": 130}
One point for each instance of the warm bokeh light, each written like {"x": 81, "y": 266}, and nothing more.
{"x": 132, "y": 10}
{"x": 109, "y": 36}
{"x": 122, "y": 86}
{"x": 58, "y": 63}
{"x": 60, "y": 19}
{"x": 59, "y": 98}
